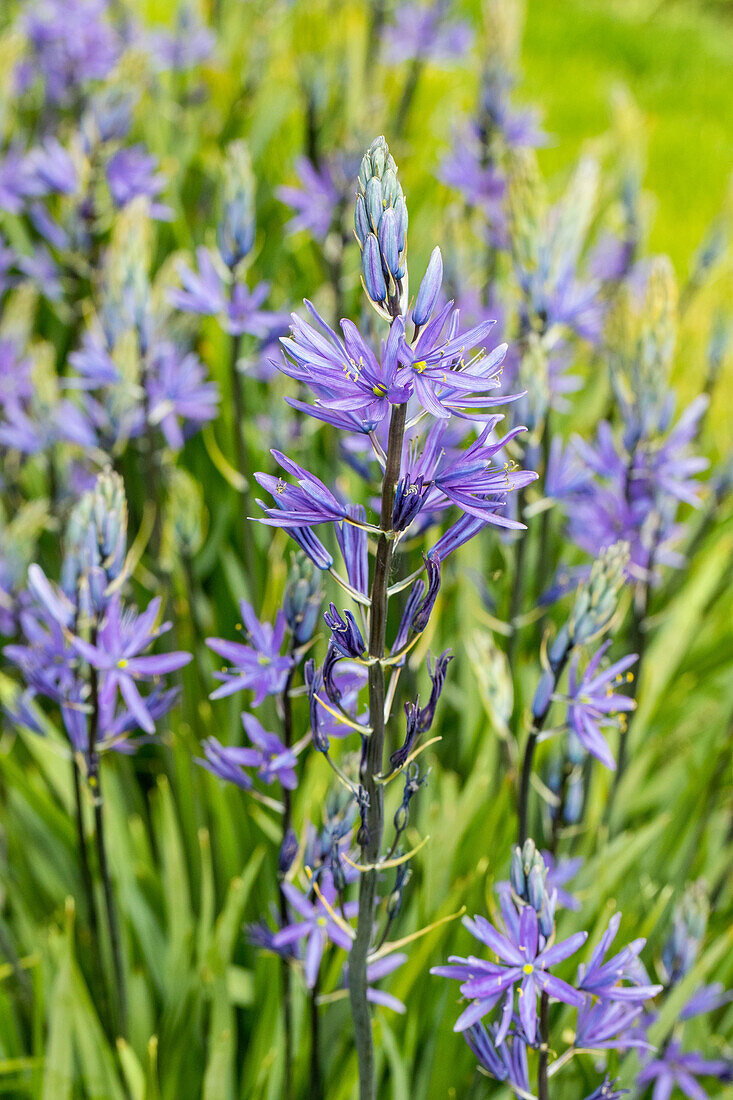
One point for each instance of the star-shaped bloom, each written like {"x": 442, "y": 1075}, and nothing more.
{"x": 594, "y": 703}
{"x": 319, "y": 924}
{"x": 257, "y": 666}
{"x": 269, "y": 756}
{"x": 121, "y": 638}
{"x": 673, "y": 1068}
{"x": 522, "y": 964}
{"x": 445, "y": 382}
{"x": 353, "y": 388}
{"x": 608, "y": 1025}
{"x": 180, "y": 396}
{"x": 303, "y": 505}
{"x": 604, "y": 979}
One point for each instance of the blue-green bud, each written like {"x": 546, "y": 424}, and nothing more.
{"x": 236, "y": 230}
{"x": 380, "y": 225}
{"x": 302, "y": 598}
{"x": 596, "y": 601}
{"x": 96, "y": 543}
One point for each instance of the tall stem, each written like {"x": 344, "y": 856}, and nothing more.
{"x": 543, "y": 1091}
{"x": 408, "y": 94}
{"x": 543, "y": 557}
{"x": 86, "y": 874}
{"x": 94, "y": 780}
{"x": 638, "y": 640}
{"x": 515, "y": 599}
{"x": 316, "y": 1079}
{"x": 372, "y": 762}
{"x": 538, "y": 724}
{"x": 242, "y": 458}
{"x": 287, "y": 710}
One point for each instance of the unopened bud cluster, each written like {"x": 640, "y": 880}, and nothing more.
{"x": 380, "y": 223}
{"x": 595, "y": 603}
{"x": 236, "y": 232}
{"x": 302, "y": 598}
{"x": 96, "y": 542}
{"x": 528, "y": 877}
{"x": 688, "y": 931}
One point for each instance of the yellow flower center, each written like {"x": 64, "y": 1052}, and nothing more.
{"x": 122, "y": 663}
{"x": 419, "y": 367}
{"x": 322, "y": 922}
{"x": 528, "y": 968}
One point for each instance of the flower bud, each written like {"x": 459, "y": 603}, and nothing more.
{"x": 288, "y": 852}
{"x": 536, "y": 887}
{"x": 380, "y": 225}
{"x": 595, "y": 603}
{"x": 543, "y": 694}
{"x": 236, "y": 231}
{"x": 429, "y": 290}
{"x": 516, "y": 872}
{"x": 302, "y": 598}
{"x": 688, "y": 931}
{"x": 96, "y": 543}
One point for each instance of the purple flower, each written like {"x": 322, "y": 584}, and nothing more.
{"x": 316, "y": 202}
{"x": 202, "y": 290}
{"x": 481, "y": 183}
{"x": 485, "y": 983}
{"x": 269, "y": 756}
{"x": 444, "y": 381}
{"x": 706, "y": 999}
{"x": 604, "y": 979}
{"x": 121, "y": 638}
{"x": 345, "y": 634}
{"x": 16, "y": 181}
{"x": 634, "y": 497}
{"x": 608, "y": 1025}
{"x": 52, "y": 169}
{"x": 132, "y": 173}
{"x": 442, "y": 475}
{"x": 593, "y": 702}
{"x": 16, "y": 384}
{"x": 318, "y": 924}
{"x": 305, "y": 505}
{"x": 378, "y": 970}
{"x": 505, "y": 1059}
{"x": 258, "y": 666}
{"x": 178, "y": 391}
{"x": 426, "y": 32}
{"x": 71, "y": 43}
{"x": 674, "y": 1068}
{"x": 185, "y": 47}
{"x": 244, "y": 313}
{"x": 375, "y": 972}
{"x": 354, "y": 389}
